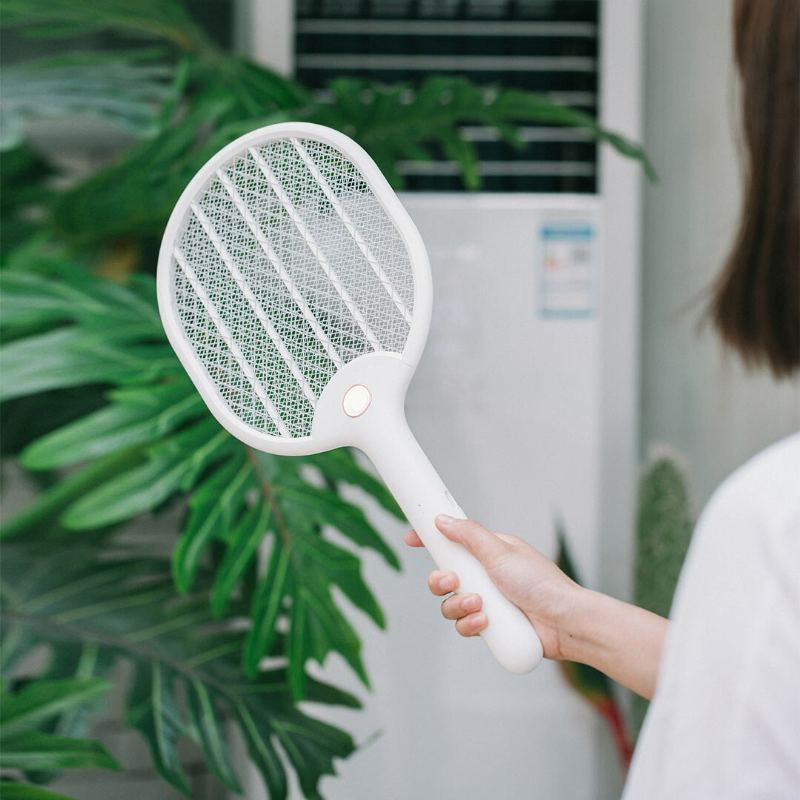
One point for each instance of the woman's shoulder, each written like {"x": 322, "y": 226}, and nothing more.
{"x": 761, "y": 498}
{"x": 771, "y": 475}
{"x": 732, "y": 649}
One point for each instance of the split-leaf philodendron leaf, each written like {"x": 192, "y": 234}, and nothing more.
{"x": 265, "y": 518}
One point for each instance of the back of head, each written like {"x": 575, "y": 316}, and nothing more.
{"x": 756, "y": 303}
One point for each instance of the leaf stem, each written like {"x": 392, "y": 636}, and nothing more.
{"x": 269, "y": 496}
{"x": 60, "y": 630}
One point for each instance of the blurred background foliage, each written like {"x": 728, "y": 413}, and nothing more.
{"x": 664, "y": 525}
{"x": 215, "y": 627}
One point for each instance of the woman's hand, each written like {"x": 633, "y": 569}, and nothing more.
{"x": 526, "y": 577}
{"x": 573, "y": 623}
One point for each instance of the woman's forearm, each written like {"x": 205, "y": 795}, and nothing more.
{"x": 619, "y": 639}
{"x": 573, "y": 623}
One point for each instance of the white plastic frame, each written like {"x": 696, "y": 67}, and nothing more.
{"x": 323, "y": 438}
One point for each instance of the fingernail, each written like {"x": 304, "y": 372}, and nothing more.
{"x": 444, "y": 520}
{"x": 470, "y": 603}
{"x": 478, "y": 621}
{"x": 448, "y": 583}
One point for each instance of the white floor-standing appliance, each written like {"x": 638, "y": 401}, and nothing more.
{"x": 539, "y": 367}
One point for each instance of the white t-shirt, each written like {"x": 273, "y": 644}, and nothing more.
{"x": 725, "y": 719}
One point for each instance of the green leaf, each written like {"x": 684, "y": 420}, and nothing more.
{"x": 205, "y": 719}
{"x": 109, "y": 607}
{"x": 532, "y": 107}
{"x": 392, "y": 122}
{"x": 319, "y": 562}
{"x": 72, "y": 357}
{"x": 265, "y": 608}
{"x": 59, "y": 706}
{"x": 114, "y": 427}
{"x": 317, "y": 628}
{"x": 212, "y": 509}
{"x": 40, "y": 700}
{"x": 144, "y": 487}
{"x": 327, "y": 508}
{"x": 153, "y": 710}
{"x": 258, "y": 739}
{"x": 127, "y": 495}
{"x": 26, "y": 791}
{"x": 162, "y": 19}
{"x": 318, "y": 692}
{"x": 78, "y": 662}
{"x": 465, "y": 154}
{"x": 243, "y": 543}
{"x": 23, "y": 173}
{"x": 34, "y": 751}
{"x": 340, "y": 466}
{"x": 48, "y": 505}
{"x": 41, "y": 286}
{"x": 311, "y": 748}
{"x": 234, "y": 97}
{"x": 125, "y": 87}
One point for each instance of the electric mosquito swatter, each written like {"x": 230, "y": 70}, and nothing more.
{"x": 296, "y": 292}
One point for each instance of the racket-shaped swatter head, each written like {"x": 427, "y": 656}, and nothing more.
{"x": 289, "y": 267}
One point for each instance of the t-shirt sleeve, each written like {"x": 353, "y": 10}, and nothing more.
{"x": 725, "y": 720}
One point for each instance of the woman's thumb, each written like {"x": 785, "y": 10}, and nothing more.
{"x": 483, "y": 544}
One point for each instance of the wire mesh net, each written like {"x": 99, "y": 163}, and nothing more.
{"x": 288, "y": 268}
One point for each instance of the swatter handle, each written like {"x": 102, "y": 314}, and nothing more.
{"x": 419, "y": 491}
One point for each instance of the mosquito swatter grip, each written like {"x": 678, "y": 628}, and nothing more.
{"x": 421, "y": 494}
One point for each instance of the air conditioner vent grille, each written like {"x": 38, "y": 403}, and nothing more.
{"x": 548, "y": 46}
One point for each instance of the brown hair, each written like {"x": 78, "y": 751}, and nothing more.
{"x": 756, "y": 302}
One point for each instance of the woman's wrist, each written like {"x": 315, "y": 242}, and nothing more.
{"x": 618, "y": 638}
{"x": 577, "y": 626}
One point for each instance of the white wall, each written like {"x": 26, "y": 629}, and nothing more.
{"x": 694, "y": 396}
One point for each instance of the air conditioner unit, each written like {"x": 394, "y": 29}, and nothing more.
{"x": 526, "y": 399}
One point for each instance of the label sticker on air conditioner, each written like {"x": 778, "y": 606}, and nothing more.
{"x": 566, "y": 268}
